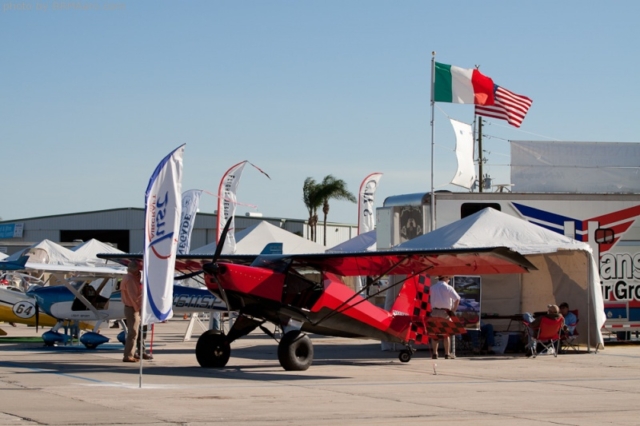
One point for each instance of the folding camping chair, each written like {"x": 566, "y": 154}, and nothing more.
{"x": 548, "y": 335}
{"x": 568, "y": 340}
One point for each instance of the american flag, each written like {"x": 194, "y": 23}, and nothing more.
{"x": 508, "y": 106}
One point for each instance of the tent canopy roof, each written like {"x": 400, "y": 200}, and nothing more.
{"x": 252, "y": 240}
{"x": 362, "y": 242}
{"x": 490, "y": 228}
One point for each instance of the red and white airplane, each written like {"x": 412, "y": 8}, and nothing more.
{"x": 304, "y": 293}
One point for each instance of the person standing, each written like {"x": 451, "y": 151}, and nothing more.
{"x": 444, "y": 301}
{"x": 131, "y": 289}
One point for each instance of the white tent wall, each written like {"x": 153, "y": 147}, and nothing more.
{"x": 502, "y": 295}
{"x": 566, "y": 271}
{"x": 561, "y": 277}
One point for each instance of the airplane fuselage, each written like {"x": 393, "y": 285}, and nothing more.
{"x": 61, "y": 303}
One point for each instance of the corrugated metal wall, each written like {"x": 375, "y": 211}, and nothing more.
{"x": 132, "y": 219}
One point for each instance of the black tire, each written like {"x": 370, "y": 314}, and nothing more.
{"x": 295, "y": 351}
{"x": 213, "y": 349}
{"x": 405, "y": 355}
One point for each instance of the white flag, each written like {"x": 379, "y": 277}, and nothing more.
{"x": 227, "y": 205}
{"x": 466, "y": 173}
{"x": 190, "y": 203}
{"x": 365, "y": 202}
{"x": 162, "y": 217}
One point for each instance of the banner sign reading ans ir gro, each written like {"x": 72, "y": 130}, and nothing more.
{"x": 11, "y": 230}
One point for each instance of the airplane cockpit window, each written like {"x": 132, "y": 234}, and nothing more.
{"x": 91, "y": 294}
{"x": 274, "y": 262}
{"x": 302, "y": 287}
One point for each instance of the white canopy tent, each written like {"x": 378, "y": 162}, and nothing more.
{"x": 89, "y": 249}
{"x": 363, "y": 242}
{"x": 252, "y": 240}
{"x": 46, "y": 251}
{"x": 567, "y": 271}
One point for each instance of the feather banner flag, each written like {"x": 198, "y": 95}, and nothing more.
{"x": 227, "y": 203}
{"x": 365, "y": 202}
{"x": 461, "y": 86}
{"x": 508, "y": 106}
{"x": 190, "y": 203}
{"x": 162, "y": 218}
{"x": 466, "y": 173}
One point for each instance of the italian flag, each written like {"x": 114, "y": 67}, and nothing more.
{"x": 462, "y": 86}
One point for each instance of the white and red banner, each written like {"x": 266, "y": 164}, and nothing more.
{"x": 366, "y": 198}
{"x": 227, "y": 202}
{"x": 162, "y": 218}
{"x": 190, "y": 203}
{"x": 227, "y": 205}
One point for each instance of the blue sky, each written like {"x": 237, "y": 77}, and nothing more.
{"x": 92, "y": 100}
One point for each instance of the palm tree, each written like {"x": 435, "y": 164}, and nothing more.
{"x": 312, "y": 202}
{"x": 328, "y": 189}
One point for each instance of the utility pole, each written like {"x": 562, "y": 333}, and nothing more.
{"x": 480, "y": 157}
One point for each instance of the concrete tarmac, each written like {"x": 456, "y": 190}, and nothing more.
{"x": 351, "y": 382}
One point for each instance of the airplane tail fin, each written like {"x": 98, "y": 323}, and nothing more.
{"x": 272, "y": 248}
{"x": 14, "y": 265}
{"x": 413, "y": 301}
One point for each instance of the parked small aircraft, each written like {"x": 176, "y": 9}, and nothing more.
{"x": 84, "y": 295}
{"x": 97, "y": 301}
{"x": 304, "y": 293}
{"x": 16, "y": 307}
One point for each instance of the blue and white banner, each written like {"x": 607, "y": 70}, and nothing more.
{"x": 162, "y": 219}
{"x": 190, "y": 203}
{"x": 366, "y": 207}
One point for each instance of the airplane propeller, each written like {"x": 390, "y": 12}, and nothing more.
{"x": 212, "y": 267}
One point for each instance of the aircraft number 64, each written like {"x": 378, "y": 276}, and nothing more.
{"x": 24, "y": 309}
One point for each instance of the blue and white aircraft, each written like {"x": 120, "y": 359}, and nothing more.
{"x": 90, "y": 295}
{"x": 99, "y": 300}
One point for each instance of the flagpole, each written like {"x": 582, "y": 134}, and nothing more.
{"x": 142, "y": 313}
{"x": 433, "y": 196}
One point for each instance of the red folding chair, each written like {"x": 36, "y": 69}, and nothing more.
{"x": 548, "y": 336}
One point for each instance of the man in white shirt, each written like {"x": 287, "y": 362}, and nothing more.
{"x": 444, "y": 299}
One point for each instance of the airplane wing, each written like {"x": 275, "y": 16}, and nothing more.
{"x": 185, "y": 263}
{"x": 408, "y": 262}
{"x": 472, "y": 261}
{"x": 70, "y": 269}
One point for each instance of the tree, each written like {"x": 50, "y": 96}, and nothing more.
{"x": 312, "y": 202}
{"x": 328, "y": 189}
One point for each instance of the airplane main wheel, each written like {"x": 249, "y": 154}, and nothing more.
{"x": 213, "y": 349}
{"x": 295, "y": 351}
{"x": 405, "y": 355}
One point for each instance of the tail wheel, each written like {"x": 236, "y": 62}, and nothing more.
{"x": 295, "y": 351}
{"x": 213, "y": 349}
{"x": 405, "y": 355}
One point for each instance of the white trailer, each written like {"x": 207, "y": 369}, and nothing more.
{"x": 607, "y": 222}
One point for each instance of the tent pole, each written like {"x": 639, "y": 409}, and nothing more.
{"x": 590, "y": 277}
{"x": 433, "y": 197}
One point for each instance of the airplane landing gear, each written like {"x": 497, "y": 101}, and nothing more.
{"x": 213, "y": 349}
{"x": 295, "y": 351}
{"x": 405, "y": 355}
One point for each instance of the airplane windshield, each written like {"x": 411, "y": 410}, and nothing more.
{"x": 275, "y": 263}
